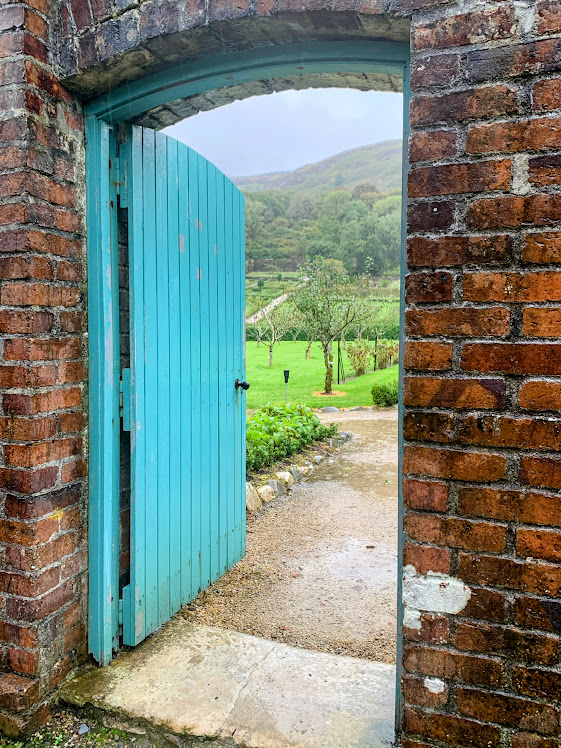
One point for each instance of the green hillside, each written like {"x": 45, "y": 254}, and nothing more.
{"x": 378, "y": 165}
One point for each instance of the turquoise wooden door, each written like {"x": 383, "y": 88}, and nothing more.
{"x": 187, "y": 416}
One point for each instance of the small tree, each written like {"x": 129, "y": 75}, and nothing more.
{"x": 359, "y": 354}
{"x": 277, "y": 323}
{"x": 328, "y": 306}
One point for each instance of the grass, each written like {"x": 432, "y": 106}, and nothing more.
{"x": 306, "y": 377}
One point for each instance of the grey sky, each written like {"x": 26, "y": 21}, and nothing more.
{"x": 286, "y": 130}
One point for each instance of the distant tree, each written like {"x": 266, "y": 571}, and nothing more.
{"x": 328, "y": 306}
{"x": 277, "y": 321}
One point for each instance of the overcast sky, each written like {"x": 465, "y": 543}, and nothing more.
{"x": 286, "y": 130}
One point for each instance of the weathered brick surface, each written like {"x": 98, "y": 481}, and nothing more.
{"x": 41, "y": 367}
{"x": 482, "y": 357}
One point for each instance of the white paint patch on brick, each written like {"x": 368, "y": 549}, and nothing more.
{"x": 412, "y": 619}
{"x": 434, "y": 592}
{"x": 520, "y": 170}
{"x": 434, "y": 685}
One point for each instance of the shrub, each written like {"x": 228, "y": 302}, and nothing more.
{"x": 277, "y": 431}
{"x": 385, "y": 394}
{"x": 359, "y": 354}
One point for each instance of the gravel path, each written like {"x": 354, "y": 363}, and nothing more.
{"x": 321, "y": 564}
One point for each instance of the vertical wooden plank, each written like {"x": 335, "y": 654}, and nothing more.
{"x": 134, "y": 622}
{"x": 213, "y": 495}
{"x": 195, "y": 318}
{"x": 175, "y": 414}
{"x": 206, "y": 443}
{"x": 230, "y": 363}
{"x": 162, "y": 345}
{"x": 223, "y": 378}
{"x": 184, "y": 408}
{"x": 103, "y": 316}
{"x": 151, "y": 363}
{"x": 239, "y": 497}
{"x": 241, "y": 333}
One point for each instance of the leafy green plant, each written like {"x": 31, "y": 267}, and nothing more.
{"x": 277, "y": 431}
{"x": 385, "y": 394}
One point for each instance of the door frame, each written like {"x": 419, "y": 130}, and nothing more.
{"x": 125, "y": 104}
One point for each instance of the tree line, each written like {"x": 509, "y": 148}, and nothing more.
{"x": 362, "y": 230}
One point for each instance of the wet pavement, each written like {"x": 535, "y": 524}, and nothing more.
{"x": 321, "y": 564}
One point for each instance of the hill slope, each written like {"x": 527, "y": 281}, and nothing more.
{"x": 378, "y": 164}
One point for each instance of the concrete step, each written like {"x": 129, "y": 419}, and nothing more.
{"x": 210, "y": 684}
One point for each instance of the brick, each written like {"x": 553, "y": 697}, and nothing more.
{"x": 29, "y": 349}
{"x": 454, "y": 393}
{"x": 538, "y": 134}
{"x": 533, "y": 682}
{"x": 532, "y": 740}
{"x": 486, "y": 605}
{"x": 542, "y": 285}
{"x": 74, "y": 565}
{"x": 27, "y": 376}
{"x": 455, "y": 533}
{"x": 16, "y": 693}
{"x": 22, "y": 661}
{"x": 438, "y": 427}
{"x": 442, "y": 663}
{"x": 532, "y": 613}
{"x": 457, "y": 251}
{"x": 469, "y": 28}
{"x": 541, "y": 322}
{"x": 430, "y": 216}
{"x": 415, "y": 692}
{"x": 31, "y": 455}
{"x": 512, "y": 358}
{"x": 542, "y": 472}
{"x": 434, "y": 629}
{"x": 508, "y": 710}
{"x": 37, "y": 609}
{"x": 32, "y": 508}
{"x": 28, "y": 323}
{"x": 24, "y": 429}
{"x": 432, "y": 146}
{"x": 72, "y": 371}
{"x": 508, "y": 431}
{"x": 480, "y": 103}
{"x": 427, "y": 355}
{"x": 454, "y": 464}
{"x": 458, "y": 322}
{"x": 450, "y": 729}
{"x": 43, "y": 402}
{"x": 549, "y": 17}
{"x": 30, "y": 558}
{"x": 544, "y": 544}
{"x": 544, "y": 171}
{"x": 546, "y": 95}
{"x": 73, "y": 470}
{"x": 69, "y": 271}
{"x": 71, "y": 321}
{"x": 429, "y": 287}
{"x": 438, "y": 71}
{"x": 14, "y": 583}
{"x": 525, "y": 576}
{"x": 425, "y": 495}
{"x": 513, "y": 211}
{"x": 26, "y": 267}
{"x": 542, "y": 248}
{"x": 506, "y": 641}
{"x": 455, "y": 179}
{"x": 28, "y": 534}
{"x": 510, "y": 506}
{"x": 20, "y": 636}
{"x": 39, "y": 294}
{"x": 532, "y": 57}
{"x": 537, "y": 394}
{"x": 71, "y": 422}
{"x": 28, "y": 482}
{"x": 425, "y": 559}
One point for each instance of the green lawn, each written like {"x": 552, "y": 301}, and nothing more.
{"x": 306, "y": 377}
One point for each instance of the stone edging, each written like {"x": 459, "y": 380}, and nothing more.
{"x": 285, "y": 479}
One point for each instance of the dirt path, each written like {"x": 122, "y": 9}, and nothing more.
{"x": 321, "y": 564}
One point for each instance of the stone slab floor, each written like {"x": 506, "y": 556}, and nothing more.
{"x": 203, "y": 682}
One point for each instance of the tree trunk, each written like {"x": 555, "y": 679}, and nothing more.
{"x": 270, "y": 355}
{"x": 376, "y": 352}
{"x": 343, "y": 341}
{"x": 308, "y": 349}
{"x": 328, "y": 371}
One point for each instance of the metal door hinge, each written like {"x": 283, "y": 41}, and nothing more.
{"x": 125, "y": 399}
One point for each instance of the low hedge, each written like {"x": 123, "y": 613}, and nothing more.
{"x": 277, "y": 431}
{"x": 385, "y": 394}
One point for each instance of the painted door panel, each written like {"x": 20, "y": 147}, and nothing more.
{"x": 186, "y": 266}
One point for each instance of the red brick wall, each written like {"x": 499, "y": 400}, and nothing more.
{"x": 483, "y": 394}
{"x": 42, "y": 370}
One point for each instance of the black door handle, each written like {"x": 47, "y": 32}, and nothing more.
{"x": 243, "y": 385}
